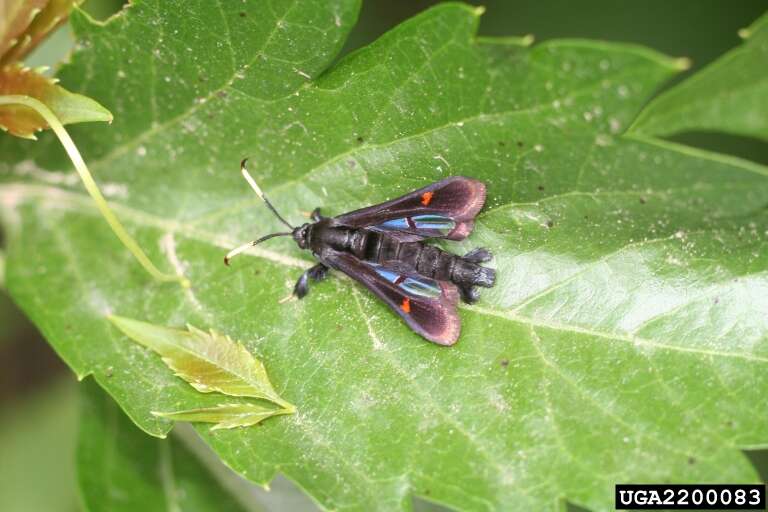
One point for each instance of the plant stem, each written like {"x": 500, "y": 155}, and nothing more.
{"x": 91, "y": 187}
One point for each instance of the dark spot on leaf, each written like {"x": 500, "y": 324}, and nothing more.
{"x": 691, "y": 460}
{"x": 717, "y": 299}
{"x": 540, "y": 187}
{"x": 222, "y": 94}
{"x": 242, "y": 14}
{"x": 360, "y": 140}
{"x": 427, "y": 492}
{"x": 729, "y": 423}
{"x": 504, "y": 363}
{"x": 351, "y": 163}
{"x": 501, "y": 143}
{"x": 642, "y": 200}
{"x": 520, "y": 144}
{"x": 550, "y": 223}
{"x": 256, "y": 272}
{"x": 586, "y": 217}
{"x": 339, "y": 327}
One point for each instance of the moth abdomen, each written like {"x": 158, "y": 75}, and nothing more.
{"x": 468, "y": 273}
{"x": 485, "y": 277}
{"x": 428, "y": 263}
{"x": 372, "y": 245}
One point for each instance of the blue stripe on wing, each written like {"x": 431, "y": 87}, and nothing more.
{"x": 432, "y": 225}
{"x": 410, "y": 284}
{"x": 395, "y": 224}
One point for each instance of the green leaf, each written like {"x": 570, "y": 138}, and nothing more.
{"x": 209, "y": 361}
{"x": 2, "y": 270}
{"x": 37, "y": 443}
{"x": 730, "y": 95}
{"x": 119, "y": 468}
{"x": 625, "y": 339}
{"x": 226, "y": 415}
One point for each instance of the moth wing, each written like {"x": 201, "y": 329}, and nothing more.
{"x": 444, "y": 209}
{"x": 426, "y": 305}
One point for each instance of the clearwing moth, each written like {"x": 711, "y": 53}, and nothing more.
{"x": 383, "y": 248}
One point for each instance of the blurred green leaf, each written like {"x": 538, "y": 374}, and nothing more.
{"x": 730, "y": 95}
{"x": 625, "y": 339}
{"x": 2, "y": 269}
{"x": 121, "y": 468}
{"x": 11, "y": 319}
{"x": 37, "y": 442}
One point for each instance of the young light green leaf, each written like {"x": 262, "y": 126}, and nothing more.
{"x": 209, "y": 361}
{"x": 17, "y": 16}
{"x": 68, "y": 107}
{"x": 37, "y": 435}
{"x": 226, "y": 415}
{"x": 729, "y": 95}
{"x": 40, "y": 22}
{"x": 27, "y": 22}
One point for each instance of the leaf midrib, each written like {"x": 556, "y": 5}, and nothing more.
{"x": 81, "y": 203}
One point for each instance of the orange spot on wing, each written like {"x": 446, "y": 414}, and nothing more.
{"x": 426, "y": 197}
{"x": 406, "y": 305}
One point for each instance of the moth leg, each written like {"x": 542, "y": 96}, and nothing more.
{"x": 479, "y": 255}
{"x": 315, "y": 215}
{"x": 469, "y": 294}
{"x": 316, "y": 273}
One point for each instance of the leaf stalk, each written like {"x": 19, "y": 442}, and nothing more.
{"x": 91, "y": 187}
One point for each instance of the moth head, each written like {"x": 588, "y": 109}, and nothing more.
{"x": 301, "y": 235}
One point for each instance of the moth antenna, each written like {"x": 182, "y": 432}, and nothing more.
{"x": 259, "y": 193}
{"x": 287, "y": 298}
{"x": 237, "y": 250}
